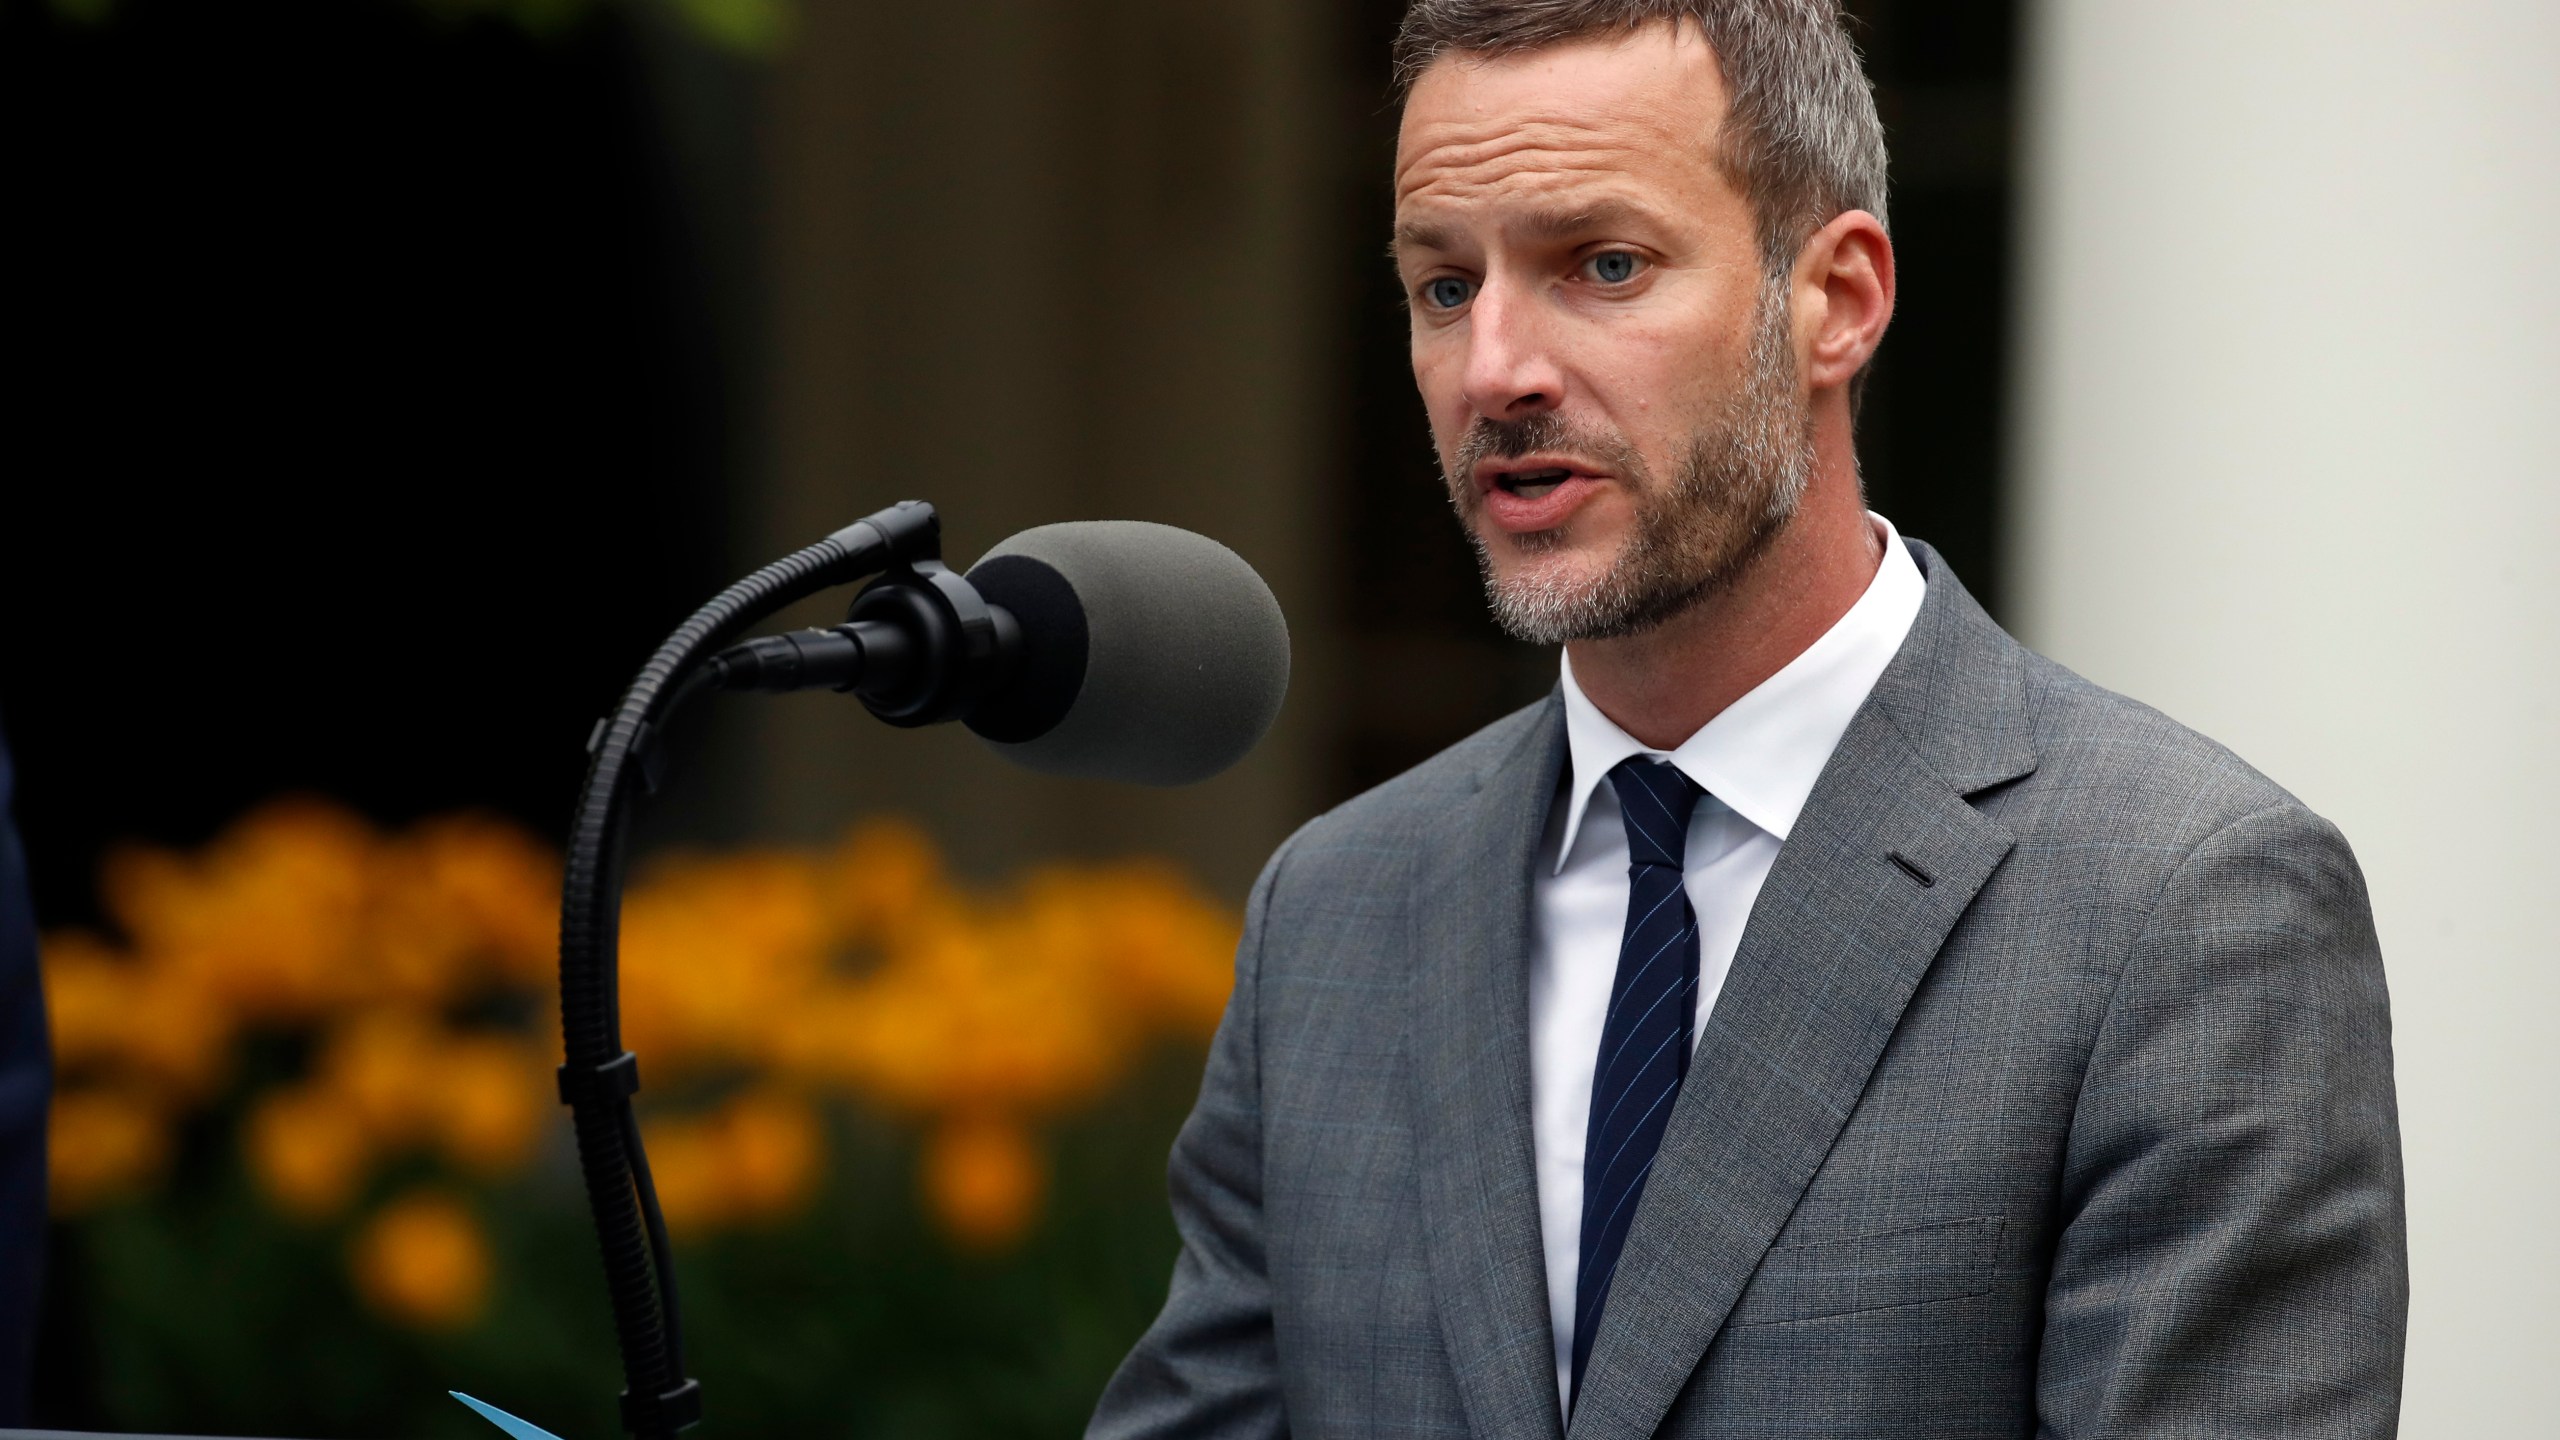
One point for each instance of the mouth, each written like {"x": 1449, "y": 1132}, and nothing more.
{"x": 1531, "y": 484}
{"x": 1534, "y": 492}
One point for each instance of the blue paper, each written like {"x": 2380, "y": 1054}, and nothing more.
{"x": 520, "y": 1429}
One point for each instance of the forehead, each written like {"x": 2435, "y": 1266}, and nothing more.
{"x": 1633, "y": 114}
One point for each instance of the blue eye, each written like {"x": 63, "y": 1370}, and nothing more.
{"x": 1448, "y": 292}
{"x": 1613, "y": 267}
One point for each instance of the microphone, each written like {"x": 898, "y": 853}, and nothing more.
{"x": 1102, "y": 649}
{"x": 1112, "y": 649}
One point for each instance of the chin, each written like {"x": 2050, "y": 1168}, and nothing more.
{"x": 1563, "y": 550}
{"x": 1557, "y": 570}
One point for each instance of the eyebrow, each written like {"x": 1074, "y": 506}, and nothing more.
{"x": 1598, "y": 215}
{"x": 1547, "y": 225}
{"x": 1418, "y": 235}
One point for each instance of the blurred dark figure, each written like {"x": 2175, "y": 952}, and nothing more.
{"x": 26, "y": 1083}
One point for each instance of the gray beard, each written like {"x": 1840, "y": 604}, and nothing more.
{"x": 1737, "y": 484}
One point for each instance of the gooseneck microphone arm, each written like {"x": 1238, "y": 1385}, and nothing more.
{"x": 599, "y": 1076}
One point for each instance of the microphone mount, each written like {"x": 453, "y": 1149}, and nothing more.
{"x": 921, "y": 646}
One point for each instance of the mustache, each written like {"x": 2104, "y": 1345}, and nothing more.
{"x": 1545, "y": 431}
{"x": 1488, "y": 439}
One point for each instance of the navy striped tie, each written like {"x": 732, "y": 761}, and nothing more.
{"x": 1644, "y": 1045}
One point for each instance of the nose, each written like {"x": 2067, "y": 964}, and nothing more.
{"x": 1511, "y": 370}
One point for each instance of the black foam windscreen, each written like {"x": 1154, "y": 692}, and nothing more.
{"x": 1150, "y": 654}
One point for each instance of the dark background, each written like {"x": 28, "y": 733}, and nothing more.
{"x": 363, "y": 435}
{"x": 367, "y": 422}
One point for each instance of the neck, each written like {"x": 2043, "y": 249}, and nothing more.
{"x": 1664, "y": 685}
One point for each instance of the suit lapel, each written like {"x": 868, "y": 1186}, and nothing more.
{"x": 1838, "y": 940}
{"x": 1468, "y": 1036}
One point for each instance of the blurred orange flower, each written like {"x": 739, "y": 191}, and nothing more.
{"x": 712, "y": 949}
{"x": 983, "y": 1180}
{"x": 756, "y": 1158}
{"x": 423, "y": 1261}
{"x": 308, "y": 1149}
{"x": 489, "y": 1101}
{"x": 86, "y": 990}
{"x": 265, "y": 918}
{"x": 104, "y": 1144}
{"x": 153, "y": 1026}
{"x": 883, "y": 881}
{"x": 417, "y": 965}
{"x": 501, "y": 883}
{"x": 382, "y": 1064}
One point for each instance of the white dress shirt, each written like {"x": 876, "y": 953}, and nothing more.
{"x": 1757, "y": 762}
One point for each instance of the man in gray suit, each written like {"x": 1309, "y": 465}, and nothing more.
{"x": 1821, "y": 1016}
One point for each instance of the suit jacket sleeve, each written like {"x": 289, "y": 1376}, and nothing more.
{"x": 2232, "y": 1260}
{"x": 1209, "y": 1365}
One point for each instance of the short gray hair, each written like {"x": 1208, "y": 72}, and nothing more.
{"x": 1800, "y": 134}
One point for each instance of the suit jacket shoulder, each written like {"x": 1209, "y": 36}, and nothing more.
{"x": 2098, "y": 750}
{"x": 2123, "y": 801}
{"x": 2110, "y": 791}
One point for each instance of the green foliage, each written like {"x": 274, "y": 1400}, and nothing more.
{"x": 750, "y": 27}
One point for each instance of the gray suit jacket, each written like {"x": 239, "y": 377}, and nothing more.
{"x": 2049, "y": 1094}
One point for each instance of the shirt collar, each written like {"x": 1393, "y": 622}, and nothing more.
{"x": 1761, "y": 755}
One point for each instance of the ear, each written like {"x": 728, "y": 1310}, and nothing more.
{"x": 1844, "y": 298}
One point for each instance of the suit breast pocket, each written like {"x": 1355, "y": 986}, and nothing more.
{"x": 1915, "y": 1265}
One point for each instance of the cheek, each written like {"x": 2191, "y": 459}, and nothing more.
{"x": 1641, "y": 384}
{"x": 1439, "y": 374}
{"x": 1657, "y": 383}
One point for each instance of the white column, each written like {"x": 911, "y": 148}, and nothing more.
{"x": 2288, "y": 467}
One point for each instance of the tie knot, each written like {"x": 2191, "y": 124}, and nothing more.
{"x": 1656, "y": 800}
